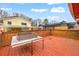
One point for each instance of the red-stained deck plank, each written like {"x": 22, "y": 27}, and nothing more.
{"x": 53, "y": 46}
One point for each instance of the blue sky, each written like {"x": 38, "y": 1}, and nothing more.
{"x": 57, "y": 12}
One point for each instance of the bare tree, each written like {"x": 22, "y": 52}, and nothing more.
{"x": 3, "y": 14}
{"x": 15, "y": 14}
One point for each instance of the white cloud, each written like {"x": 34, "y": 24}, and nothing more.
{"x": 58, "y": 9}
{"x": 39, "y": 10}
{"x": 55, "y": 18}
{"x": 51, "y": 3}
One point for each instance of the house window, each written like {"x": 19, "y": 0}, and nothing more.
{"x": 23, "y": 23}
{"x": 9, "y": 23}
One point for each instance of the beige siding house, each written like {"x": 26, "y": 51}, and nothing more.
{"x": 14, "y": 22}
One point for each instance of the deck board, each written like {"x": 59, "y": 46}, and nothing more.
{"x": 53, "y": 46}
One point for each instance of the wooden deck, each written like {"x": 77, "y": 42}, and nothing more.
{"x": 53, "y": 46}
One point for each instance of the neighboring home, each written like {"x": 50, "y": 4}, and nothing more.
{"x": 36, "y": 23}
{"x": 50, "y": 26}
{"x": 16, "y": 22}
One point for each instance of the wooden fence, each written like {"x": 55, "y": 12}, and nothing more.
{"x": 6, "y": 37}
{"x": 72, "y": 34}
